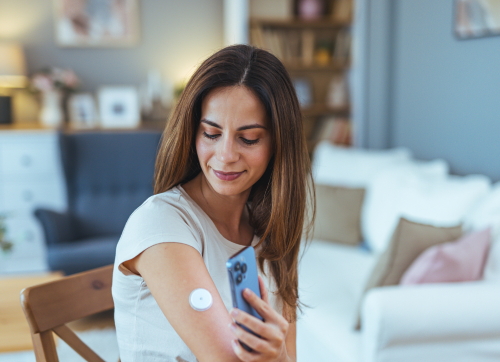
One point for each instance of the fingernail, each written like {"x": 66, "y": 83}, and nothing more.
{"x": 247, "y": 292}
{"x": 234, "y": 312}
{"x": 232, "y": 326}
{"x": 235, "y": 344}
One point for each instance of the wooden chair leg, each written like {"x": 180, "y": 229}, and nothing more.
{"x": 45, "y": 347}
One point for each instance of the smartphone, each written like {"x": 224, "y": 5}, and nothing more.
{"x": 242, "y": 269}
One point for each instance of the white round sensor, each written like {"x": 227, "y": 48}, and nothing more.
{"x": 200, "y": 299}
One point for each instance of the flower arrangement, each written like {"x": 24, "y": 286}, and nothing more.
{"x": 5, "y": 245}
{"x": 54, "y": 79}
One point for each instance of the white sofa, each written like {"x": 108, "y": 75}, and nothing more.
{"x": 435, "y": 322}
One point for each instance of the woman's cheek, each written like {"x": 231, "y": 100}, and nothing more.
{"x": 204, "y": 151}
{"x": 261, "y": 158}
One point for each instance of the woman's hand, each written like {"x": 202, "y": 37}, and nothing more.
{"x": 271, "y": 346}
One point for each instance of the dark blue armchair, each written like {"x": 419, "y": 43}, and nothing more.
{"x": 108, "y": 175}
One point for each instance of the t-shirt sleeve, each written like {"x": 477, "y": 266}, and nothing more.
{"x": 158, "y": 220}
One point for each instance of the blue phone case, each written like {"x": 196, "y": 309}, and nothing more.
{"x": 242, "y": 269}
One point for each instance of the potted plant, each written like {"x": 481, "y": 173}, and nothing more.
{"x": 5, "y": 245}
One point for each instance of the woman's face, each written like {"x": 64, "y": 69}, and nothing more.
{"x": 233, "y": 140}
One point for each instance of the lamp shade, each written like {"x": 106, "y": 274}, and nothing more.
{"x": 12, "y": 66}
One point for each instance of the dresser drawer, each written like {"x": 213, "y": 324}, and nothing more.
{"x": 28, "y": 159}
{"x": 29, "y": 251}
{"x": 28, "y": 195}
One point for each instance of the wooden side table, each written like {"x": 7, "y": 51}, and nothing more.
{"x": 14, "y": 329}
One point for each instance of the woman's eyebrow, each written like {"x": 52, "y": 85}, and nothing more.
{"x": 242, "y": 128}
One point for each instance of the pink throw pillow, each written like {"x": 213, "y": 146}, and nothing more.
{"x": 459, "y": 261}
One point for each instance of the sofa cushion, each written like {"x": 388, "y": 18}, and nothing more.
{"x": 108, "y": 175}
{"x": 338, "y": 214}
{"x": 492, "y": 267}
{"x": 459, "y": 261}
{"x": 421, "y": 192}
{"x": 331, "y": 280}
{"x": 409, "y": 240}
{"x": 82, "y": 255}
{"x": 351, "y": 167}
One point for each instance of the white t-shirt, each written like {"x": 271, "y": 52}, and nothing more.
{"x": 143, "y": 331}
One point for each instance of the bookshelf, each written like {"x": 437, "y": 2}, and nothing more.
{"x": 317, "y": 55}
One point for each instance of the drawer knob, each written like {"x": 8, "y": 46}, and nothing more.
{"x": 26, "y": 160}
{"x": 27, "y": 195}
{"x": 29, "y": 236}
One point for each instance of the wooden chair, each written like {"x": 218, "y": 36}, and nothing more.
{"x": 49, "y": 306}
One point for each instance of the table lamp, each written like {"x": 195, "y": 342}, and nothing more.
{"x": 12, "y": 75}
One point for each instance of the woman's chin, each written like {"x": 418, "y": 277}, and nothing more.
{"x": 227, "y": 188}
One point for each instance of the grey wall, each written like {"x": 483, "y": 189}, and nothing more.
{"x": 175, "y": 36}
{"x": 429, "y": 91}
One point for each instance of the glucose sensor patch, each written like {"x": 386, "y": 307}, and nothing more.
{"x": 200, "y": 299}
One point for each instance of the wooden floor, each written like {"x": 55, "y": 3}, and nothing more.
{"x": 14, "y": 330}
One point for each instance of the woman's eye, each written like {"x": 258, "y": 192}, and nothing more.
{"x": 250, "y": 142}
{"x": 210, "y": 136}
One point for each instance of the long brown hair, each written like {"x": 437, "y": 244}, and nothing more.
{"x": 278, "y": 200}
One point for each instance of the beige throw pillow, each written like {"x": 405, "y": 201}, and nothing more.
{"x": 338, "y": 214}
{"x": 409, "y": 240}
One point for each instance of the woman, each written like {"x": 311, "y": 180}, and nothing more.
{"x": 232, "y": 171}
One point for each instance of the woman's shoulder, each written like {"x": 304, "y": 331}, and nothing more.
{"x": 166, "y": 213}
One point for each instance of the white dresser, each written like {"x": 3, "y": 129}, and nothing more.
{"x": 31, "y": 176}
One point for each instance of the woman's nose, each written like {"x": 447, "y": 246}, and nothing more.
{"x": 227, "y": 151}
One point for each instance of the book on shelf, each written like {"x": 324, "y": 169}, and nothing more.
{"x": 338, "y": 92}
{"x": 336, "y": 130}
{"x": 342, "y": 47}
{"x": 304, "y": 47}
{"x": 342, "y": 10}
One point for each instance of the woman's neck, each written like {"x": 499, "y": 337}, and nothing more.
{"x": 228, "y": 213}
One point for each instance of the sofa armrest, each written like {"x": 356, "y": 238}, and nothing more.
{"x": 57, "y": 227}
{"x": 432, "y": 322}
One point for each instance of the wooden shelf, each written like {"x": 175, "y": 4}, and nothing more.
{"x": 300, "y": 24}
{"x": 297, "y": 67}
{"x": 296, "y": 42}
{"x": 323, "y": 110}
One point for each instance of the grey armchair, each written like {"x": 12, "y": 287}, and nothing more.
{"x": 108, "y": 175}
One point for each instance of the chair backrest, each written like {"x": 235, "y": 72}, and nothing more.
{"x": 108, "y": 175}
{"x": 49, "y": 306}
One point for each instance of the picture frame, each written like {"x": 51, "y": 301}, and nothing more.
{"x": 82, "y": 111}
{"x": 303, "y": 89}
{"x": 119, "y": 107}
{"x": 476, "y": 18}
{"x": 103, "y": 23}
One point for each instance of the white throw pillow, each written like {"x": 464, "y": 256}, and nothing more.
{"x": 350, "y": 167}
{"x": 486, "y": 212}
{"x": 492, "y": 267}
{"x": 422, "y": 193}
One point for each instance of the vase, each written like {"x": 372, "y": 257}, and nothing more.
{"x": 310, "y": 9}
{"x": 51, "y": 114}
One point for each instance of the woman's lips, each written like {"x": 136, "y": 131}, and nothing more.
{"x": 227, "y": 176}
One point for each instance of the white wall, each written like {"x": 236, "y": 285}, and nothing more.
{"x": 427, "y": 90}
{"x": 175, "y": 36}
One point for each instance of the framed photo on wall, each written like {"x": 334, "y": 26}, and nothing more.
{"x": 96, "y": 23}
{"x": 477, "y": 18}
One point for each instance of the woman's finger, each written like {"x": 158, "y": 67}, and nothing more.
{"x": 263, "y": 291}
{"x": 254, "y": 324}
{"x": 242, "y": 354}
{"x": 264, "y": 309}
{"x": 257, "y": 344}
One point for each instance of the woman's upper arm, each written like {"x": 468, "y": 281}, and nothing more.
{"x": 291, "y": 341}
{"x": 172, "y": 271}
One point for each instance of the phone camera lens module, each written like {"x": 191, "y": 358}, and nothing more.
{"x": 244, "y": 268}
{"x": 237, "y": 266}
{"x": 239, "y": 279}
